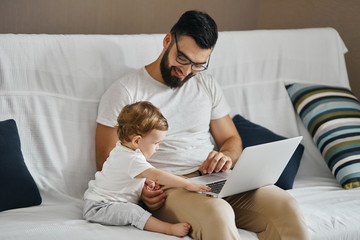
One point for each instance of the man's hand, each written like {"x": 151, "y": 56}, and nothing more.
{"x": 152, "y": 195}
{"x": 216, "y": 161}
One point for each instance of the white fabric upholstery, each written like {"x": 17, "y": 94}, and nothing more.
{"x": 51, "y": 85}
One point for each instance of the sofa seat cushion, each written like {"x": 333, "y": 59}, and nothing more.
{"x": 254, "y": 134}
{"x": 18, "y": 188}
{"x": 332, "y": 117}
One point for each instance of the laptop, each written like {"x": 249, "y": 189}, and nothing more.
{"x": 257, "y": 166}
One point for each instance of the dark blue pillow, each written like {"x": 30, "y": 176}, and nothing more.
{"x": 17, "y": 187}
{"x": 253, "y": 134}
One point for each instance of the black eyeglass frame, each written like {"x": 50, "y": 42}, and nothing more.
{"x": 181, "y": 60}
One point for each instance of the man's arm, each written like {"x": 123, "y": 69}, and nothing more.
{"x": 229, "y": 143}
{"x": 105, "y": 140}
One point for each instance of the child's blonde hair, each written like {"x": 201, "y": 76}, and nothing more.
{"x": 139, "y": 119}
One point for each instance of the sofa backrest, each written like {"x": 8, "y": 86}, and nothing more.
{"x": 51, "y": 85}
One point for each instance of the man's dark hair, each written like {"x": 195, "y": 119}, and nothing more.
{"x": 198, "y": 25}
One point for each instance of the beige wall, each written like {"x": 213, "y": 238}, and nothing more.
{"x": 118, "y": 16}
{"x": 157, "y": 16}
{"x": 343, "y": 15}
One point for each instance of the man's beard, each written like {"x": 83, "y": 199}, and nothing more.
{"x": 170, "y": 80}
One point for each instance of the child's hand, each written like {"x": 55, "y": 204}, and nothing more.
{"x": 197, "y": 187}
{"x": 151, "y": 185}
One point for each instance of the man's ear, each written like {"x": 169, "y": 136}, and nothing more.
{"x": 136, "y": 140}
{"x": 167, "y": 40}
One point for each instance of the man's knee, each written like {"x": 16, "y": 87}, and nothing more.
{"x": 287, "y": 221}
{"x": 219, "y": 210}
{"x": 219, "y": 221}
{"x": 287, "y": 207}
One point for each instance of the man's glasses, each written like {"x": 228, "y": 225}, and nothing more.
{"x": 184, "y": 60}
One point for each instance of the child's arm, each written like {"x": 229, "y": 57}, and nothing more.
{"x": 165, "y": 178}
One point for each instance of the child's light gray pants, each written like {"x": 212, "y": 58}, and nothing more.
{"x": 115, "y": 213}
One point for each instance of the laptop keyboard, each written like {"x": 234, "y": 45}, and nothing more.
{"x": 216, "y": 186}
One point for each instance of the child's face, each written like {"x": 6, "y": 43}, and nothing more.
{"x": 149, "y": 144}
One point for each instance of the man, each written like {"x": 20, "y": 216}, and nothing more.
{"x": 194, "y": 106}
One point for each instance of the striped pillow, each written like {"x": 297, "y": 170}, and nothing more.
{"x": 332, "y": 116}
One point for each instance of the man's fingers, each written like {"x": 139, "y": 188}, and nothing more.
{"x": 227, "y": 165}
{"x": 153, "y": 199}
{"x": 205, "y": 165}
{"x": 152, "y": 195}
{"x": 221, "y": 164}
{"x": 156, "y": 205}
{"x": 216, "y": 162}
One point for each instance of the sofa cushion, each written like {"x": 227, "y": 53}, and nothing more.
{"x": 332, "y": 117}
{"x": 254, "y": 134}
{"x": 18, "y": 188}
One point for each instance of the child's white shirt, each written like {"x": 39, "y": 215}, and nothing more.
{"x": 116, "y": 181}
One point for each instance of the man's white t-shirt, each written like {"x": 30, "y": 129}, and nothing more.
{"x": 116, "y": 182}
{"x": 188, "y": 110}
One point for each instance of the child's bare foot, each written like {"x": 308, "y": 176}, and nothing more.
{"x": 180, "y": 229}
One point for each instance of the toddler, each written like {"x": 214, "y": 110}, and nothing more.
{"x": 112, "y": 198}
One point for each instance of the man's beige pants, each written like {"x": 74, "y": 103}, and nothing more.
{"x": 270, "y": 212}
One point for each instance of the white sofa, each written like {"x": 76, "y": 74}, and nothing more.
{"x": 51, "y": 86}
